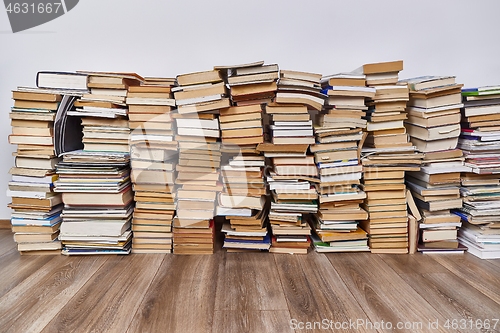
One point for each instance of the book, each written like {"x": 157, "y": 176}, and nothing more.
{"x": 428, "y": 81}
{"x": 383, "y": 67}
{"x": 61, "y": 80}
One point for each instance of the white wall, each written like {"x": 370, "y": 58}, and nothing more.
{"x": 165, "y": 38}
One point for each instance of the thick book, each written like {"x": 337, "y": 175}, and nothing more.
{"x": 428, "y": 81}
{"x": 61, "y": 80}
{"x": 434, "y": 133}
{"x": 383, "y": 67}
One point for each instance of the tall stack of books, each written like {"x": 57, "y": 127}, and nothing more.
{"x": 199, "y": 96}
{"x": 289, "y": 181}
{"x": 292, "y": 195}
{"x": 339, "y": 130}
{"x": 242, "y": 201}
{"x": 153, "y": 161}
{"x": 434, "y": 126}
{"x": 98, "y": 202}
{"x": 480, "y": 142}
{"x": 386, "y": 155}
{"x": 292, "y": 172}
{"x": 95, "y": 182}
{"x": 36, "y": 208}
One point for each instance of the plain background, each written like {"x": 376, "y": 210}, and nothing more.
{"x": 166, "y": 38}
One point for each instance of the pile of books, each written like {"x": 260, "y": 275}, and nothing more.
{"x": 434, "y": 126}
{"x": 292, "y": 195}
{"x": 480, "y": 142}
{"x": 338, "y": 134}
{"x": 242, "y": 201}
{"x": 105, "y": 126}
{"x": 291, "y": 171}
{"x": 386, "y": 155}
{"x": 36, "y": 208}
{"x": 290, "y": 121}
{"x": 435, "y": 190}
{"x": 251, "y": 85}
{"x": 199, "y": 96}
{"x": 95, "y": 182}
{"x": 153, "y": 161}
{"x": 98, "y": 202}
{"x": 433, "y": 112}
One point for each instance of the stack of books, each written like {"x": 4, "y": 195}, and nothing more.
{"x": 290, "y": 121}
{"x": 435, "y": 190}
{"x": 95, "y": 182}
{"x": 386, "y": 155}
{"x": 290, "y": 130}
{"x": 36, "y": 208}
{"x": 243, "y": 198}
{"x": 241, "y": 128}
{"x": 153, "y": 161}
{"x": 433, "y": 112}
{"x": 98, "y": 202}
{"x": 246, "y": 232}
{"x": 480, "y": 142}
{"x": 251, "y": 85}
{"x": 338, "y": 132}
{"x": 292, "y": 195}
{"x": 199, "y": 96}
{"x": 107, "y": 100}
{"x": 434, "y": 126}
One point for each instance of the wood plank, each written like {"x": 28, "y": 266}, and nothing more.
{"x": 413, "y": 263}
{"x": 110, "y": 298}
{"x": 382, "y": 293}
{"x": 252, "y": 321}
{"x": 315, "y": 291}
{"x": 481, "y": 274}
{"x": 451, "y": 296}
{"x": 16, "y": 268}
{"x": 249, "y": 281}
{"x": 181, "y": 296}
{"x": 33, "y": 303}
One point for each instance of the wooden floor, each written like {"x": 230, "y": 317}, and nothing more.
{"x": 251, "y": 292}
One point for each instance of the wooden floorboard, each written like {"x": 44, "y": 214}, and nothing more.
{"x": 382, "y": 293}
{"x": 181, "y": 296}
{"x": 481, "y": 274}
{"x": 315, "y": 292}
{"x": 449, "y": 295}
{"x": 16, "y": 268}
{"x": 107, "y": 302}
{"x": 35, "y": 301}
{"x": 249, "y": 281}
{"x": 276, "y": 321}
